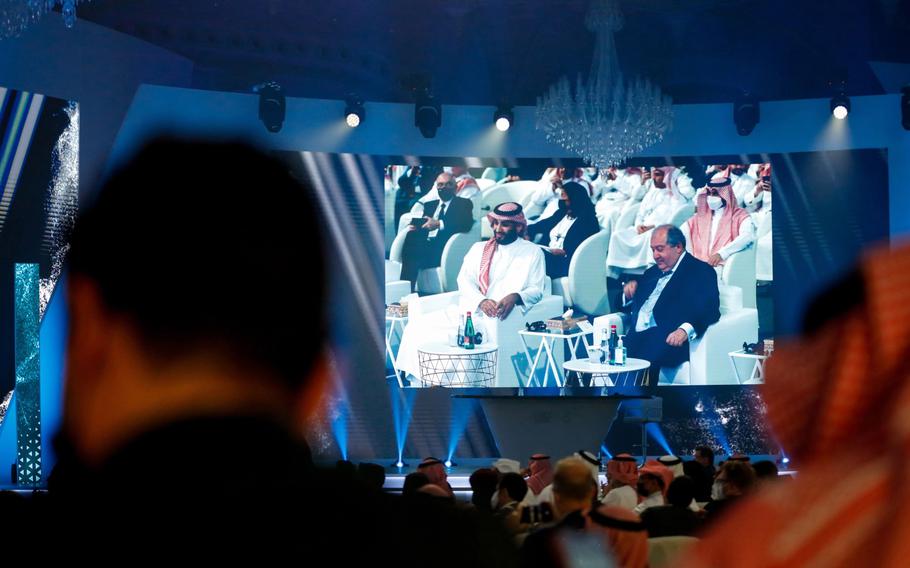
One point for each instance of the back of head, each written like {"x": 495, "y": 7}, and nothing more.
{"x": 572, "y": 480}
{"x": 198, "y": 244}
{"x": 372, "y": 474}
{"x": 515, "y": 486}
{"x": 681, "y": 492}
{"x": 739, "y": 473}
{"x": 765, "y": 470}
{"x": 414, "y": 481}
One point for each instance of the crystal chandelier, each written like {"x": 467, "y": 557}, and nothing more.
{"x": 609, "y": 119}
{"x": 16, "y": 15}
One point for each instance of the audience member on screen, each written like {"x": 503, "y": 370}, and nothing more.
{"x": 619, "y": 189}
{"x": 408, "y": 192}
{"x": 671, "y": 190}
{"x": 545, "y": 200}
{"x": 720, "y": 227}
{"x": 442, "y": 218}
{"x": 671, "y": 304}
{"x": 565, "y": 229}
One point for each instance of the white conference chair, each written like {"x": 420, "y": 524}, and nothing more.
{"x": 444, "y": 277}
{"x": 585, "y": 287}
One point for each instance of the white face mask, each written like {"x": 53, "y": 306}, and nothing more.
{"x": 715, "y": 202}
{"x": 717, "y": 491}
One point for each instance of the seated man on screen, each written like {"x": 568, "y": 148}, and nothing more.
{"x": 427, "y": 235}
{"x": 720, "y": 227}
{"x": 671, "y": 304}
{"x": 496, "y": 276}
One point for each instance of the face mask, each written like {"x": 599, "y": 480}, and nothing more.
{"x": 715, "y": 202}
{"x": 717, "y": 491}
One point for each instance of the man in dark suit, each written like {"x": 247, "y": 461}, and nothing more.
{"x": 442, "y": 218}
{"x": 673, "y": 303}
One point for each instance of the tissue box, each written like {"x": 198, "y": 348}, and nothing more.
{"x": 397, "y": 310}
{"x": 560, "y": 325}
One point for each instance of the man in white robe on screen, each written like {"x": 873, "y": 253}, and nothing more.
{"x": 619, "y": 189}
{"x": 545, "y": 200}
{"x": 720, "y": 227}
{"x": 500, "y": 278}
{"x": 630, "y": 248}
{"x": 758, "y": 202}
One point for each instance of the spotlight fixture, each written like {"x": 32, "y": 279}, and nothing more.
{"x": 354, "y": 112}
{"x": 840, "y": 106}
{"x": 745, "y": 113}
{"x": 905, "y": 107}
{"x": 271, "y": 105}
{"x": 427, "y": 114}
{"x": 785, "y": 461}
{"x": 449, "y": 463}
{"x": 503, "y": 118}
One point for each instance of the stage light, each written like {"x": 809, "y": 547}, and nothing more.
{"x": 448, "y": 463}
{"x": 746, "y": 114}
{"x": 905, "y": 107}
{"x": 503, "y": 118}
{"x": 785, "y": 461}
{"x": 427, "y": 114}
{"x": 271, "y": 105}
{"x": 840, "y": 106}
{"x": 354, "y": 113}
{"x": 399, "y": 464}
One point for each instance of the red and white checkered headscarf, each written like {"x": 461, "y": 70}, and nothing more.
{"x": 508, "y": 211}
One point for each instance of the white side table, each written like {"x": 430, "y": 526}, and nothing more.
{"x": 447, "y": 366}
{"x": 396, "y": 323}
{"x": 547, "y": 343}
{"x": 605, "y": 371}
{"x": 757, "y": 376}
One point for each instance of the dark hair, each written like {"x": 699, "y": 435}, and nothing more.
{"x": 515, "y": 485}
{"x": 483, "y": 486}
{"x": 705, "y": 451}
{"x": 675, "y": 236}
{"x": 372, "y": 474}
{"x": 414, "y": 481}
{"x": 765, "y": 469}
{"x": 739, "y": 473}
{"x": 580, "y": 200}
{"x": 210, "y": 246}
{"x": 681, "y": 491}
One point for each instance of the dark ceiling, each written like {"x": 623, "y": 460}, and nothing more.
{"x": 490, "y": 51}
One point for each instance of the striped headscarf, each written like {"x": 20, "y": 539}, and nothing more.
{"x": 839, "y": 395}
{"x": 508, "y": 211}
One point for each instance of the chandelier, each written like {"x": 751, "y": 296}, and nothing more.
{"x": 16, "y": 15}
{"x": 609, "y": 119}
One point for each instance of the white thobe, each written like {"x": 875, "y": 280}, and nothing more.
{"x": 630, "y": 250}
{"x": 655, "y": 499}
{"x": 742, "y": 185}
{"x": 745, "y": 237}
{"x": 518, "y": 268}
{"x": 544, "y": 202}
{"x": 624, "y": 497}
{"x": 760, "y": 206}
{"x": 625, "y": 191}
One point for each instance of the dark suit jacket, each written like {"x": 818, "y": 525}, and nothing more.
{"x": 458, "y": 217}
{"x": 691, "y": 297}
{"x": 581, "y": 229}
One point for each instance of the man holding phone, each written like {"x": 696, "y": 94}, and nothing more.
{"x": 427, "y": 235}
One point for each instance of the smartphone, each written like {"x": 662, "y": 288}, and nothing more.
{"x": 417, "y": 222}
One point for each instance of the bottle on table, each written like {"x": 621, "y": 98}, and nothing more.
{"x": 468, "y": 333}
{"x": 612, "y": 344}
{"x": 460, "y": 339}
{"x": 603, "y": 346}
{"x": 620, "y": 352}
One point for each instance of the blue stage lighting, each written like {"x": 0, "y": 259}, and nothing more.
{"x": 448, "y": 463}
{"x": 785, "y": 461}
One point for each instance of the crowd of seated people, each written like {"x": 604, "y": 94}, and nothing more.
{"x": 545, "y": 507}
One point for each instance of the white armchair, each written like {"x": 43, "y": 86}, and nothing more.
{"x": 739, "y": 271}
{"x": 395, "y": 288}
{"x": 585, "y": 287}
{"x": 709, "y": 362}
{"x": 518, "y": 191}
{"x": 442, "y": 278}
{"x": 511, "y": 365}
